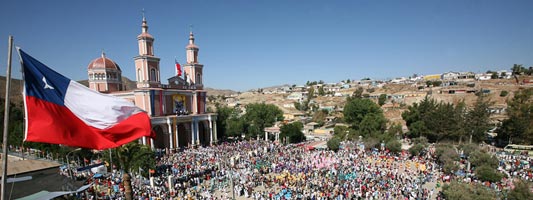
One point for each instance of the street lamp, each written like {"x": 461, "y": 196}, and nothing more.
{"x": 68, "y": 163}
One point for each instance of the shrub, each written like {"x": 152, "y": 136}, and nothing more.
{"x": 521, "y": 191}
{"x": 503, "y": 93}
{"x": 456, "y": 190}
{"x": 487, "y": 173}
{"x": 334, "y": 143}
{"x": 394, "y": 146}
{"x": 416, "y": 149}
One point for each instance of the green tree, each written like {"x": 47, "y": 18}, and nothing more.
{"x": 235, "y": 126}
{"x": 394, "y": 146}
{"x": 321, "y": 91}
{"x": 133, "y": 156}
{"x": 16, "y": 122}
{"x": 494, "y": 75}
{"x": 345, "y": 133}
{"x": 302, "y": 106}
{"x": 373, "y": 123}
{"x": 518, "y": 127}
{"x": 416, "y": 149}
{"x": 356, "y": 109}
{"x": 382, "y": 98}
{"x": 395, "y": 129}
{"x": 311, "y": 93}
{"x": 487, "y": 173}
{"x": 445, "y": 119}
{"x": 293, "y": 132}
{"x": 223, "y": 113}
{"x": 297, "y": 105}
{"x": 520, "y": 191}
{"x": 341, "y": 132}
{"x": 418, "y": 129}
{"x": 479, "y": 158}
{"x": 358, "y": 93}
{"x": 447, "y": 156}
{"x": 334, "y": 143}
{"x": 518, "y": 69}
{"x": 261, "y": 115}
{"x": 458, "y": 191}
{"x": 478, "y": 119}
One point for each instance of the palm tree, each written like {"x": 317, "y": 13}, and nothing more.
{"x": 134, "y": 156}
{"x": 517, "y": 69}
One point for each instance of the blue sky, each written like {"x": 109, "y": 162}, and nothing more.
{"x": 250, "y": 44}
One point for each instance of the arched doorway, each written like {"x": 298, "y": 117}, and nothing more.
{"x": 183, "y": 136}
{"x": 203, "y": 132}
{"x": 161, "y": 140}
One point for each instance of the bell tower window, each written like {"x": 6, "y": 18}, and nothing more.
{"x": 198, "y": 78}
{"x": 153, "y": 76}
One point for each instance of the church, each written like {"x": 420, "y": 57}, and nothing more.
{"x": 177, "y": 109}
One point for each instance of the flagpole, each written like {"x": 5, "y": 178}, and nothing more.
{"x": 6, "y": 118}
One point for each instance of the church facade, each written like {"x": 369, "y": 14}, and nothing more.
{"x": 177, "y": 109}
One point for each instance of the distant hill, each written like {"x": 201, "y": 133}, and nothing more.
{"x": 216, "y": 92}
{"x": 16, "y": 89}
{"x": 270, "y": 87}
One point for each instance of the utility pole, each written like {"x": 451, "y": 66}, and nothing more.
{"x": 6, "y": 119}
{"x": 110, "y": 160}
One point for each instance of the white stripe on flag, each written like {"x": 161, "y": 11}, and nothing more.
{"x": 96, "y": 109}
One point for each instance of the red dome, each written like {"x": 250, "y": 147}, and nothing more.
{"x": 103, "y": 63}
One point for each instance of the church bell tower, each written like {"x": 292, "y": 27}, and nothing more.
{"x": 147, "y": 70}
{"x": 193, "y": 69}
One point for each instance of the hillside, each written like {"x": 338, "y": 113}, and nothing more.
{"x": 217, "y": 92}
{"x": 393, "y": 108}
{"x": 16, "y": 89}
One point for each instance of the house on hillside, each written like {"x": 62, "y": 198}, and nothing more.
{"x": 310, "y": 127}
{"x": 505, "y": 74}
{"x": 295, "y": 116}
{"x": 450, "y": 76}
{"x": 483, "y": 76}
{"x": 466, "y": 75}
{"x": 432, "y": 77}
{"x": 298, "y": 96}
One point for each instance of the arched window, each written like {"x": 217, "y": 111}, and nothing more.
{"x": 198, "y": 78}
{"x": 153, "y": 77}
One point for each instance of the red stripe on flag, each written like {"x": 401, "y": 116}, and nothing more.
{"x": 50, "y": 123}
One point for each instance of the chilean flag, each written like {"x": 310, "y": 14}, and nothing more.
{"x": 178, "y": 67}
{"x": 62, "y": 111}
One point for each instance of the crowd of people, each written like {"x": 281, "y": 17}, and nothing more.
{"x": 260, "y": 170}
{"x": 516, "y": 166}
